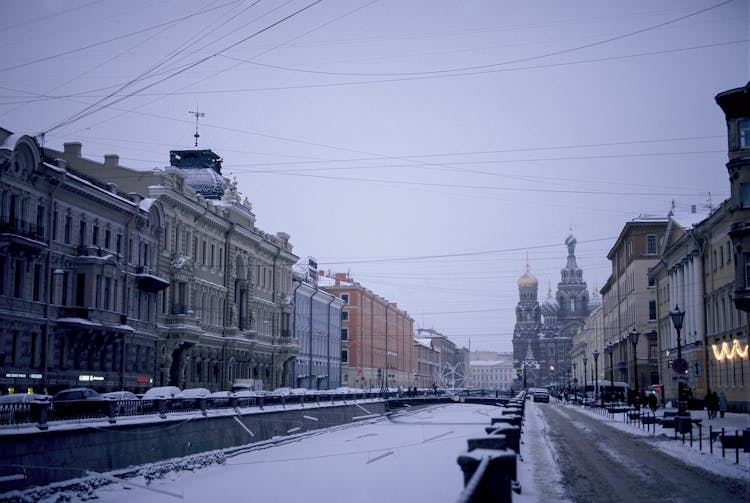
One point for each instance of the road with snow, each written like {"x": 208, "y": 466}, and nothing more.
{"x": 600, "y": 463}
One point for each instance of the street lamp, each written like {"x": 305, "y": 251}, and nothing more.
{"x": 575, "y": 378}
{"x": 585, "y": 369}
{"x": 610, "y": 350}
{"x": 595, "y": 354}
{"x": 552, "y": 376}
{"x": 634, "y": 341}
{"x": 679, "y": 365}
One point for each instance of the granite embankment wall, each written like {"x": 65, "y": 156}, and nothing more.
{"x": 67, "y": 451}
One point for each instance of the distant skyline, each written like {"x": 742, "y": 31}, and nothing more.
{"x": 425, "y": 147}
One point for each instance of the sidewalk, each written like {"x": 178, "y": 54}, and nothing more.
{"x": 699, "y": 454}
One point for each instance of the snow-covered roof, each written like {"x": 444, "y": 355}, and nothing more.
{"x": 487, "y": 363}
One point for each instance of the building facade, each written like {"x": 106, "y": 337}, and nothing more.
{"x": 491, "y": 371}
{"x": 78, "y": 296}
{"x": 317, "y": 328}
{"x": 629, "y": 302}
{"x": 428, "y": 364}
{"x": 225, "y": 314}
{"x": 377, "y": 337}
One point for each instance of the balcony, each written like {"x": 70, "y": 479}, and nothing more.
{"x": 22, "y": 235}
{"x": 148, "y": 282}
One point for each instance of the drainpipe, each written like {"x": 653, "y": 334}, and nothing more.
{"x": 48, "y": 293}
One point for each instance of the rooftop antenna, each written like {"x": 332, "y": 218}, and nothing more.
{"x": 197, "y": 116}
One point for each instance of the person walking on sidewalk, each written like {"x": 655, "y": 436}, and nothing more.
{"x": 722, "y": 404}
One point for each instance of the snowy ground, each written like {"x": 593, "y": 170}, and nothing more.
{"x": 663, "y": 440}
{"x": 411, "y": 457}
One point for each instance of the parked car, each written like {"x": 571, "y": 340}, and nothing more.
{"x": 189, "y": 398}
{"x": 281, "y": 392}
{"x": 160, "y": 392}
{"x": 127, "y": 402}
{"x": 24, "y": 398}
{"x": 77, "y": 402}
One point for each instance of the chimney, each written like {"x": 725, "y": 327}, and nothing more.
{"x": 73, "y": 148}
{"x": 111, "y": 160}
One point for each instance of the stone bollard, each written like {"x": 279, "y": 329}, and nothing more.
{"x": 39, "y": 412}
{"x": 260, "y": 402}
{"x": 497, "y": 442}
{"x": 203, "y": 405}
{"x": 110, "y": 409}
{"x": 302, "y": 400}
{"x": 513, "y": 434}
{"x": 495, "y": 483}
{"x": 161, "y": 407}
{"x": 234, "y": 402}
{"x": 513, "y": 419}
{"x": 283, "y": 401}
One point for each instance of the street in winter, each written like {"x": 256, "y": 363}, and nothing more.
{"x": 374, "y": 250}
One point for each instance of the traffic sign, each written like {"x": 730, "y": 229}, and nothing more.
{"x": 679, "y": 377}
{"x": 680, "y": 365}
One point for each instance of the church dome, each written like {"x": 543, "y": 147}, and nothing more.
{"x": 527, "y": 280}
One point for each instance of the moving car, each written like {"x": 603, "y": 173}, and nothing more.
{"x": 541, "y": 395}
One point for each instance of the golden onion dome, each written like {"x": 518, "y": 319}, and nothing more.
{"x": 527, "y": 281}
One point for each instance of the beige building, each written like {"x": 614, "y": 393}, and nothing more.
{"x": 491, "y": 374}
{"x": 629, "y": 303}
{"x": 226, "y": 314}
{"x": 428, "y": 363}
{"x": 589, "y": 340}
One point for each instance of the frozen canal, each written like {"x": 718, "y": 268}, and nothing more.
{"x": 411, "y": 457}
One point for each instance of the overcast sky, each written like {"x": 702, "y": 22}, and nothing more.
{"x": 423, "y": 146}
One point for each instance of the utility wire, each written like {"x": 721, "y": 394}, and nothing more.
{"x": 460, "y": 254}
{"x": 184, "y": 69}
{"x": 119, "y": 37}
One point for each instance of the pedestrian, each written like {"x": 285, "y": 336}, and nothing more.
{"x": 707, "y": 403}
{"x": 652, "y": 402}
{"x": 714, "y": 405}
{"x": 722, "y": 404}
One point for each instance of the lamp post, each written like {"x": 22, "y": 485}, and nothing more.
{"x": 611, "y": 349}
{"x": 679, "y": 365}
{"x": 575, "y": 378}
{"x": 595, "y": 354}
{"x": 634, "y": 341}
{"x": 585, "y": 369}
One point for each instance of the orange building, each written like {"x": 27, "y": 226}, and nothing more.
{"x": 377, "y": 338}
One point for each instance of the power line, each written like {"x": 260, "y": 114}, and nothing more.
{"x": 460, "y": 254}
{"x": 119, "y": 37}
{"x": 474, "y": 68}
{"x": 184, "y": 69}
